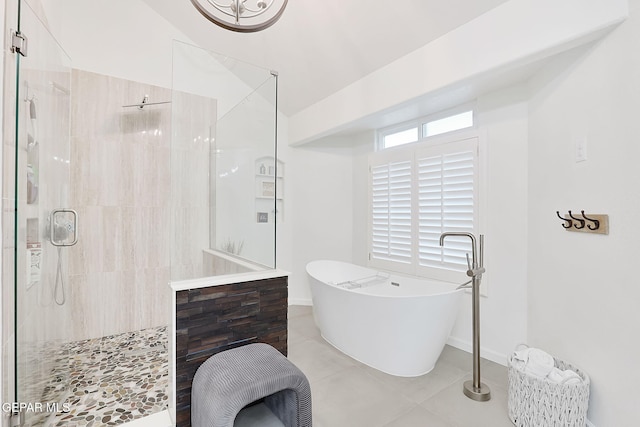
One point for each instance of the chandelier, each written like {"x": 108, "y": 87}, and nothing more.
{"x": 244, "y": 16}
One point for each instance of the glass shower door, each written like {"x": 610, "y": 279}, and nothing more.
{"x": 44, "y": 224}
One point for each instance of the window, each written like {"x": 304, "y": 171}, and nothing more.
{"x": 447, "y": 124}
{"x": 445, "y": 187}
{"x": 417, "y": 192}
{"x": 391, "y": 214}
{"x": 424, "y": 128}
{"x": 396, "y": 138}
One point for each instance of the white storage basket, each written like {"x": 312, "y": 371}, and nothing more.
{"x": 536, "y": 402}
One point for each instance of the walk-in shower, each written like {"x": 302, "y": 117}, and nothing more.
{"x": 105, "y": 204}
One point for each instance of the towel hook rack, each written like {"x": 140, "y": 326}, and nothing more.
{"x": 596, "y": 223}
{"x": 582, "y": 221}
{"x": 569, "y": 222}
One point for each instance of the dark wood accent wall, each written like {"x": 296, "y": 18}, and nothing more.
{"x": 217, "y": 318}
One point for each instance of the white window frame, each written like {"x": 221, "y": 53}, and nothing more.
{"x": 382, "y": 133}
{"x": 444, "y": 142}
{"x": 419, "y": 123}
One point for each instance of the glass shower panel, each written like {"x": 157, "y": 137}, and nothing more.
{"x": 248, "y": 181}
{"x": 225, "y": 178}
{"x": 44, "y": 224}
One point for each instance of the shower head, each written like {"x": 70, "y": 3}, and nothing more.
{"x": 145, "y": 102}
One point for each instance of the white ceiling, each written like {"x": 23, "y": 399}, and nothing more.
{"x": 320, "y": 46}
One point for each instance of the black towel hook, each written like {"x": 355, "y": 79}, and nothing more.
{"x": 582, "y": 221}
{"x": 596, "y": 223}
{"x": 569, "y": 222}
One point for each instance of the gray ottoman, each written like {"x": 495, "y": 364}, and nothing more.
{"x": 233, "y": 379}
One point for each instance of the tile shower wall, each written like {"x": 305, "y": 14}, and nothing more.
{"x": 126, "y": 169}
{"x": 119, "y": 269}
{"x": 192, "y": 168}
{"x": 142, "y": 195}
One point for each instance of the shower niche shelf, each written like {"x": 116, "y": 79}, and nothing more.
{"x": 269, "y": 186}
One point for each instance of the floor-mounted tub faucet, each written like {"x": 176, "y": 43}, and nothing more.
{"x": 475, "y": 266}
{"x": 474, "y": 389}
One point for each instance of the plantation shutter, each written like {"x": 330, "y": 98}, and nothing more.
{"x": 416, "y": 194}
{"x": 446, "y": 199}
{"x": 391, "y": 215}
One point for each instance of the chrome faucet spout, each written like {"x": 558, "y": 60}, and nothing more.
{"x": 451, "y": 233}
{"x": 474, "y": 259}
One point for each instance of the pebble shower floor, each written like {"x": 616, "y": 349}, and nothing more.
{"x": 110, "y": 380}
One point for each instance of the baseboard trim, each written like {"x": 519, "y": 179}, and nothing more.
{"x": 300, "y": 301}
{"x": 485, "y": 353}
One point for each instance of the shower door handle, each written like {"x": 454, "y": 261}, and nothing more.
{"x": 61, "y": 227}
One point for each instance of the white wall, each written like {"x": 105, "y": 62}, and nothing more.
{"x": 284, "y": 230}
{"x": 512, "y": 35}
{"x": 120, "y": 38}
{"x": 323, "y": 192}
{"x": 502, "y": 120}
{"x": 363, "y": 144}
{"x": 129, "y": 40}
{"x": 584, "y": 292}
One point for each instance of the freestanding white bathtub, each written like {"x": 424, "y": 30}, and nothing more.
{"x": 396, "y": 324}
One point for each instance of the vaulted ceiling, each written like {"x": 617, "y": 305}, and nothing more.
{"x": 320, "y": 46}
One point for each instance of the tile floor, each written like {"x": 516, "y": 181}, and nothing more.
{"x": 108, "y": 381}
{"x": 347, "y": 393}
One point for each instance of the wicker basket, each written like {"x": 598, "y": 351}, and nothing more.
{"x": 535, "y": 402}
